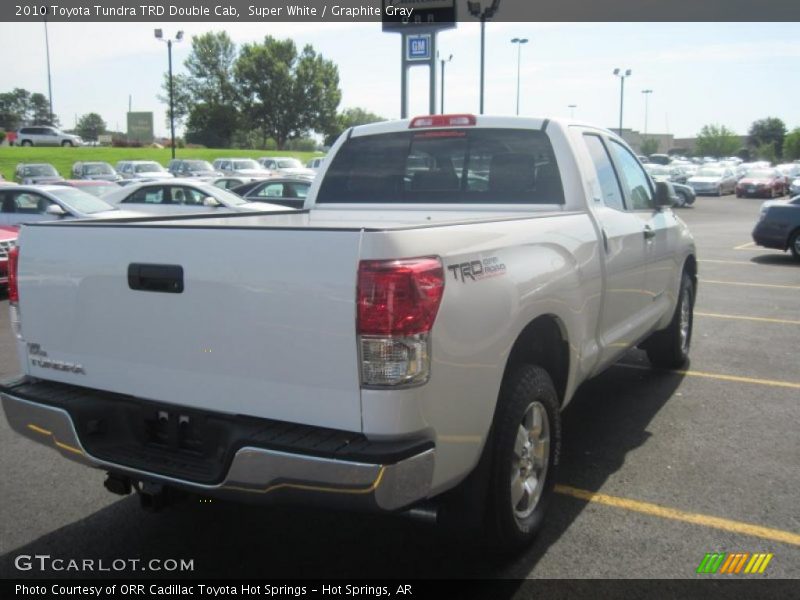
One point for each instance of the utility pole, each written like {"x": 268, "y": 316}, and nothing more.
{"x": 484, "y": 14}
{"x": 622, "y": 76}
{"x": 519, "y": 42}
{"x": 49, "y": 80}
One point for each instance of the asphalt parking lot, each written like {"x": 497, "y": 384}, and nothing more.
{"x": 658, "y": 467}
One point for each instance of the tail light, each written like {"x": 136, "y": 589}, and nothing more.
{"x": 397, "y": 305}
{"x": 13, "y": 292}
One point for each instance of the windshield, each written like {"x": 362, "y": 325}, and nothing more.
{"x": 246, "y": 164}
{"x": 198, "y": 165}
{"x": 224, "y": 196}
{"x": 81, "y": 202}
{"x": 479, "y": 166}
{"x": 98, "y": 169}
{"x": 760, "y": 174}
{"x": 708, "y": 173}
{"x": 40, "y": 171}
{"x": 149, "y": 168}
{"x": 289, "y": 163}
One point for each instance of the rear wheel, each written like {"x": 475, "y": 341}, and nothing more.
{"x": 66, "y": 143}
{"x": 527, "y": 444}
{"x": 794, "y": 244}
{"x": 26, "y": 143}
{"x": 683, "y": 198}
{"x": 669, "y": 348}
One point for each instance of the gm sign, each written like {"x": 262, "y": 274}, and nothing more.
{"x": 418, "y": 47}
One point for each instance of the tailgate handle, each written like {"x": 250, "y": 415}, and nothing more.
{"x": 155, "y": 278}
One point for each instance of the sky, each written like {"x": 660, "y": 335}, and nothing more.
{"x": 726, "y": 73}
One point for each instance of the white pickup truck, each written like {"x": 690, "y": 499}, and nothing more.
{"x": 405, "y": 342}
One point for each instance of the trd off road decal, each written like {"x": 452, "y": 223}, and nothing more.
{"x": 476, "y": 270}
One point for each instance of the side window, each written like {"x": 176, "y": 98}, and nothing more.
{"x": 30, "y": 204}
{"x": 272, "y": 190}
{"x": 640, "y": 193}
{"x": 606, "y": 176}
{"x": 297, "y": 190}
{"x": 186, "y": 195}
{"x": 7, "y": 203}
{"x": 146, "y": 195}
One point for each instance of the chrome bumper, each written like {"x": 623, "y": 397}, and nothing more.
{"x": 255, "y": 473}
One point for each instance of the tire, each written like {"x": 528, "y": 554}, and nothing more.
{"x": 66, "y": 144}
{"x": 719, "y": 191}
{"x": 684, "y": 199}
{"x": 794, "y": 244}
{"x": 669, "y": 348}
{"x": 526, "y": 449}
{"x": 26, "y": 143}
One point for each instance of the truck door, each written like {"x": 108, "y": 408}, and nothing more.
{"x": 623, "y": 319}
{"x": 660, "y": 231}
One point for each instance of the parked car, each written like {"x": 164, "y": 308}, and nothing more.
{"x": 142, "y": 169}
{"x": 666, "y": 172}
{"x": 779, "y": 226}
{"x": 315, "y": 163}
{"x": 286, "y": 166}
{"x": 372, "y": 352}
{"x": 287, "y": 192}
{"x": 193, "y": 168}
{"x": 30, "y": 204}
{"x": 8, "y": 239}
{"x": 94, "y": 187}
{"x": 660, "y": 159}
{"x": 761, "y": 182}
{"x": 241, "y": 166}
{"x": 31, "y": 173}
{"x": 95, "y": 170}
{"x": 790, "y": 172}
{"x": 712, "y": 180}
{"x": 794, "y": 187}
{"x": 232, "y": 182}
{"x": 182, "y": 196}
{"x": 45, "y": 135}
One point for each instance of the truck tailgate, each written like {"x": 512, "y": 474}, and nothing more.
{"x": 264, "y": 325}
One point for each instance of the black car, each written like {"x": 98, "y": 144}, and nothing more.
{"x": 284, "y": 191}
{"x": 779, "y": 226}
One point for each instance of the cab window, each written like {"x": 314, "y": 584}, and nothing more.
{"x": 634, "y": 178}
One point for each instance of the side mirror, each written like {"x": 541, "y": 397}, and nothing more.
{"x": 55, "y": 210}
{"x": 211, "y": 202}
{"x": 664, "y": 195}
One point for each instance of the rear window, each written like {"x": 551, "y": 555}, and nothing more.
{"x": 480, "y": 166}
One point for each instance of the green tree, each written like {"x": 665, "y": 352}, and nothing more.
{"x": 791, "y": 145}
{"x": 40, "y": 110}
{"x": 766, "y": 151}
{"x": 212, "y": 126}
{"x": 182, "y": 97}
{"x": 716, "y": 140}
{"x": 649, "y": 146}
{"x": 90, "y": 126}
{"x": 14, "y": 108}
{"x": 350, "y": 117}
{"x": 284, "y": 93}
{"x": 768, "y": 131}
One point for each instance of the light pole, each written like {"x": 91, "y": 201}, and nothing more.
{"x": 572, "y": 108}
{"x": 178, "y": 37}
{"x": 444, "y": 61}
{"x": 519, "y": 42}
{"x": 622, "y": 76}
{"x": 646, "y": 100}
{"x": 49, "y": 82}
{"x": 484, "y": 15}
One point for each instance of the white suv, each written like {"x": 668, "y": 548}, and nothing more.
{"x": 45, "y": 135}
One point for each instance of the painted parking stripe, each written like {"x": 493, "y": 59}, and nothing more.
{"x": 746, "y": 246}
{"x": 748, "y": 284}
{"x": 728, "y": 262}
{"x": 747, "y": 318}
{"x": 656, "y": 510}
{"x": 720, "y": 376}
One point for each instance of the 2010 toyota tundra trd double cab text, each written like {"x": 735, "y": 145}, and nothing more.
{"x": 408, "y": 339}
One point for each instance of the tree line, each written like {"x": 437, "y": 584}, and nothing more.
{"x": 767, "y": 139}
{"x": 261, "y": 91}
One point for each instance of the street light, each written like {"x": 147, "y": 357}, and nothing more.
{"x": 519, "y": 42}
{"x": 178, "y": 37}
{"x": 572, "y": 108}
{"x": 622, "y": 76}
{"x": 443, "y": 61}
{"x": 646, "y": 99}
{"x": 484, "y": 15}
{"x": 49, "y": 80}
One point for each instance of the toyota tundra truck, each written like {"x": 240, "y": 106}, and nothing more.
{"x": 405, "y": 342}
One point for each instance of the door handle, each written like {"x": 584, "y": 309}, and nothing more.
{"x": 155, "y": 278}
{"x": 649, "y": 232}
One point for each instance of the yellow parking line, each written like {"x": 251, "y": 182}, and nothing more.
{"x": 747, "y": 246}
{"x": 744, "y": 318}
{"x": 721, "y": 377}
{"x": 728, "y": 262}
{"x": 656, "y": 510}
{"x": 766, "y": 285}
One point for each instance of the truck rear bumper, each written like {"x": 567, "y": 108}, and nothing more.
{"x": 383, "y": 476}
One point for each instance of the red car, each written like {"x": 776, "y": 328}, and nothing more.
{"x": 762, "y": 182}
{"x": 8, "y": 239}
